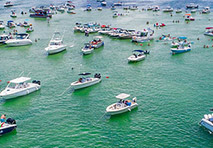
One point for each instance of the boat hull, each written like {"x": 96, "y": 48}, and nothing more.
{"x": 125, "y": 109}
{"x": 133, "y": 59}
{"x": 55, "y": 50}
{"x": 14, "y": 43}
{"x": 177, "y": 51}
{"x": 83, "y": 85}
{"x": 207, "y": 124}
{"x": 7, "y": 129}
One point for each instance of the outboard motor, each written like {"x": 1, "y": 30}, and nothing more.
{"x": 11, "y": 121}
{"x": 97, "y": 75}
{"x": 36, "y": 82}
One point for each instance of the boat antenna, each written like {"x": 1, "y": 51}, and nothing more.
{"x": 21, "y": 73}
{"x": 28, "y": 74}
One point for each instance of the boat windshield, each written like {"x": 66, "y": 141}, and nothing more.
{"x": 55, "y": 43}
{"x": 21, "y": 36}
{"x": 18, "y": 86}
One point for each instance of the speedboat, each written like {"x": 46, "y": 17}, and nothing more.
{"x": 99, "y": 8}
{"x": 209, "y": 31}
{"x": 206, "y": 10}
{"x": 20, "y": 40}
{"x": 166, "y": 38}
{"x": 188, "y": 17}
{"x": 70, "y": 10}
{"x": 156, "y": 8}
{"x": 13, "y": 14}
{"x": 89, "y": 8}
{"x": 192, "y": 6}
{"x": 178, "y": 11}
{"x": 2, "y": 26}
{"x": 193, "y": 10}
{"x": 103, "y": 3}
{"x": 97, "y": 42}
{"x": 138, "y": 55}
{"x": 115, "y": 15}
{"x": 145, "y": 35}
{"x": 86, "y": 81}
{"x": 8, "y": 126}
{"x": 181, "y": 49}
{"x": 134, "y": 8}
{"x": 20, "y": 87}
{"x": 8, "y": 4}
{"x": 56, "y": 44}
{"x": 61, "y": 9}
{"x": 168, "y": 9}
{"x": 87, "y": 49}
{"x": 11, "y": 24}
{"x": 104, "y": 30}
{"x": 44, "y": 13}
{"x": 207, "y": 122}
{"x": 149, "y": 8}
{"x": 3, "y": 38}
{"x": 124, "y": 105}
{"x": 30, "y": 29}
{"x": 117, "y": 4}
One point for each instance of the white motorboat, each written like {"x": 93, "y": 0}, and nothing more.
{"x": 99, "y": 8}
{"x": 122, "y": 106}
{"x": 8, "y": 4}
{"x": 56, "y": 44}
{"x": 61, "y": 9}
{"x": 21, "y": 39}
{"x": 207, "y": 122}
{"x": 88, "y": 49}
{"x": 145, "y": 35}
{"x": 168, "y": 9}
{"x": 11, "y": 24}
{"x": 209, "y": 31}
{"x": 104, "y": 3}
{"x": 178, "y": 11}
{"x": 20, "y": 87}
{"x": 206, "y": 10}
{"x": 13, "y": 14}
{"x": 2, "y": 26}
{"x": 104, "y": 31}
{"x": 181, "y": 49}
{"x": 89, "y": 8}
{"x": 97, "y": 42}
{"x": 193, "y": 10}
{"x": 192, "y": 6}
{"x": 138, "y": 55}
{"x": 86, "y": 81}
{"x": 3, "y": 38}
{"x": 156, "y": 8}
{"x": 8, "y": 126}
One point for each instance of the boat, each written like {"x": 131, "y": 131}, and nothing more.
{"x": 149, "y": 8}
{"x": 89, "y": 8}
{"x": 168, "y": 9}
{"x": 20, "y": 87}
{"x": 156, "y": 8}
{"x": 159, "y": 25}
{"x": 138, "y": 55}
{"x": 188, "y": 17}
{"x": 25, "y": 24}
{"x": 8, "y": 126}
{"x": 97, "y": 42}
{"x": 117, "y": 4}
{"x": 207, "y": 122}
{"x": 61, "y": 9}
{"x": 3, "y": 38}
{"x": 13, "y": 14}
{"x": 103, "y": 3}
{"x": 30, "y": 29}
{"x": 2, "y": 26}
{"x": 11, "y": 24}
{"x": 209, "y": 31}
{"x": 133, "y": 8}
{"x": 8, "y": 4}
{"x": 206, "y": 10}
{"x": 113, "y": 7}
{"x": 88, "y": 49}
{"x": 70, "y": 10}
{"x": 104, "y": 30}
{"x": 181, "y": 49}
{"x": 166, "y": 38}
{"x": 56, "y": 44}
{"x": 181, "y": 40}
{"x": 178, "y": 10}
{"x": 126, "y": 7}
{"x": 99, "y": 8}
{"x": 145, "y": 35}
{"x": 192, "y": 6}
{"x": 21, "y": 39}
{"x": 124, "y": 105}
{"x": 115, "y": 15}
{"x": 85, "y": 81}
{"x": 193, "y": 10}
{"x": 41, "y": 13}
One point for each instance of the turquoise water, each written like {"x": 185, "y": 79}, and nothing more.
{"x": 174, "y": 92}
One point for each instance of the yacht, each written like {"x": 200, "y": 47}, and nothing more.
{"x": 20, "y": 87}
{"x": 20, "y": 40}
{"x": 85, "y": 81}
{"x": 122, "y": 106}
{"x": 56, "y": 44}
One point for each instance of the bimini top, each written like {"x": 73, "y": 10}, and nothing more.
{"x": 138, "y": 51}
{"x": 182, "y": 37}
{"x": 84, "y": 74}
{"x": 20, "y": 80}
{"x": 122, "y": 96}
{"x": 209, "y": 27}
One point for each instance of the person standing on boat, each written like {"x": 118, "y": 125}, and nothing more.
{"x": 3, "y": 118}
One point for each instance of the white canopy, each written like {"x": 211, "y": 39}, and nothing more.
{"x": 20, "y": 80}
{"x": 122, "y": 96}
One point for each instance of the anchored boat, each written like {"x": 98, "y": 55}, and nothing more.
{"x": 138, "y": 55}
{"x": 87, "y": 49}
{"x": 8, "y": 126}
{"x": 97, "y": 42}
{"x": 20, "y": 87}
{"x": 21, "y": 39}
{"x": 207, "y": 122}
{"x": 124, "y": 105}
{"x": 209, "y": 31}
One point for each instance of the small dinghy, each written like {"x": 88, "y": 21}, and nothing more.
{"x": 8, "y": 126}
{"x": 138, "y": 55}
{"x": 56, "y": 44}
{"x": 20, "y": 87}
{"x": 88, "y": 49}
{"x": 124, "y": 105}
{"x": 86, "y": 81}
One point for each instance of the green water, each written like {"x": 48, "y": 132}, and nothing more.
{"x": 174, "y": 92}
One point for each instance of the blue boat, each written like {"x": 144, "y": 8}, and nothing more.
{"x": 8, "y": 126}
